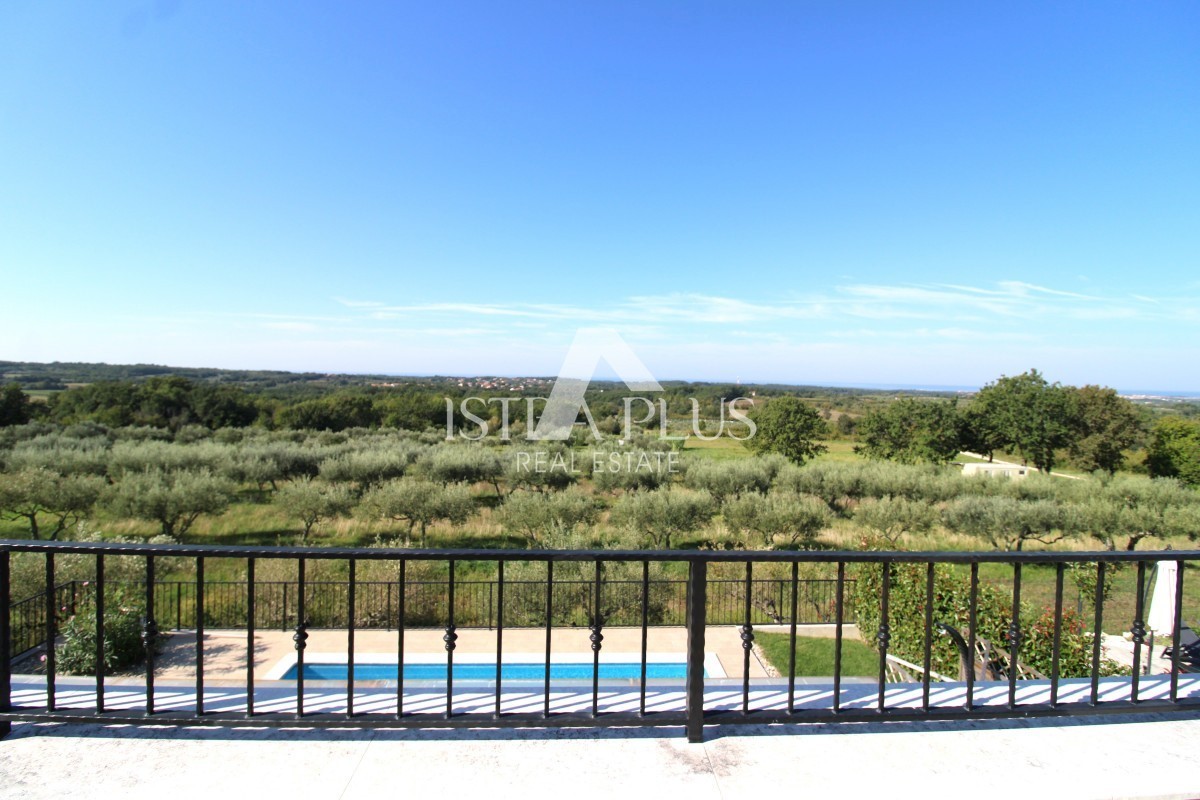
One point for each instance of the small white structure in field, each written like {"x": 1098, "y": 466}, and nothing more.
{"x": 997, "y": 470}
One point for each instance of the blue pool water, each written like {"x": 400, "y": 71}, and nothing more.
{"x": 487, "y": 672}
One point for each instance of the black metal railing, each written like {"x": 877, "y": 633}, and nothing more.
{"x": 477, "y": 604}
{"x": 28, "y": 616}
{"x": 593, "y": 590}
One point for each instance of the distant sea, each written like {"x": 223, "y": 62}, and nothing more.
{"x": 918, "y": 387}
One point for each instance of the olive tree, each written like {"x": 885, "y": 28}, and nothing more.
{"x": 793, "y": 518}
{"x": 728, "y": 479}
{"x": 1136, "y": 508}
{"x": 1007, "y": 523}
{"x": 541, "y": 516}
{"x": 369, "y": 467}
{"x": 661, "y": 514}
{"x": 420, "y": 503}
{"x": 463, "y": 464}
{"x": 549, "y": 467}
{"x": 49, "y": 502}
{"x": 313, "y": 502}
{"x": 630, "y": 469}
{"x": 890, "y": 518}
{"x": 173, "y": 499}
{"x": 61, "y": 455}
{"x": 127, "y": 457}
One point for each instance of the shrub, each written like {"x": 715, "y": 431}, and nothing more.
{"x": 123, "y": 616}
{"x": 951, "y": 605}
{"x": 906, "y": 615}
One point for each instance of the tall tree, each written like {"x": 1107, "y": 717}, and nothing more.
{"x": 1031, "y": 415}
{"x": 1174, "y": 450}
{"x": 981, "y": 425}
{"x": 788, "y": 426}
{"x": 165, "y": 402}
{"x": 14, "y": 406}
{"x": 912, "y": 431}
{"x": 1104, "y": 426}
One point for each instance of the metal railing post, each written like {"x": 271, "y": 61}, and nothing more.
{"x": 697, "y": 600}
{"x": 5, "y": 643}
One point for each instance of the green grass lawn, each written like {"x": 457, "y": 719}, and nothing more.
{"x": 839, "y": 450}
{"x": 814, "y": 656}
{"x": 721, "y": 449}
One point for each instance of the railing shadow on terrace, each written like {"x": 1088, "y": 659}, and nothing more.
{"x": 542, "y": 701}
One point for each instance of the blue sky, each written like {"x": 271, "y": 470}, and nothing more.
{"x": 805, "y": 192}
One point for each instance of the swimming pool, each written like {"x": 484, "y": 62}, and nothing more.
{"x": 509, "y": 671}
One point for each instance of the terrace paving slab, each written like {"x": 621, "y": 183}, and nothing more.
{"x": 1149, "y": 756}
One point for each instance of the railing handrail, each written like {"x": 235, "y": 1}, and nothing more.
{"x": 708, "y": 556}
{"x": 460, "y": 581}
{"x": 40, "y": 596}
{"x": 594, "y": 609}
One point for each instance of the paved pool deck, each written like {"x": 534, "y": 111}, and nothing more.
{"x": 225, "y": 650}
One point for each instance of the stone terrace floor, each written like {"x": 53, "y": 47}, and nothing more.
{"x": 1144, "y": 756}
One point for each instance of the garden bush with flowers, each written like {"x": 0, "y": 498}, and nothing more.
{"x": 123, "y": 648}
{"x": 951, "y": 605}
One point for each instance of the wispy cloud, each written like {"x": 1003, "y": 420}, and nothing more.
{"x": 297, "y": 327}
{"x": 886, "y": 309}
{"x": 718, "y": 310}
{"x": 934, "y": 310}
{"x": 946, "y": 334}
